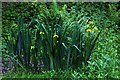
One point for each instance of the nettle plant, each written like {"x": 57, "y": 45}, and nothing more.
{"x": 59, "y": 40}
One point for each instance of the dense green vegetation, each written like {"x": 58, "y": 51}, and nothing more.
{"x": 61, "y": 40}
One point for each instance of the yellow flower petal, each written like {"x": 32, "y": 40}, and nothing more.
{"x": 55, "y": 36}
{"x": 88, "y": 30}
{"x": 32, "y": 47}
{"x": 41, "y": 32}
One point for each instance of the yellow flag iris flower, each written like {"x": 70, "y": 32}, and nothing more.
{"x": 41, "y": 33}
{"x": 88, "y": 30}
{"x": 55, "y": 36}
{"x": 32, "y": 47}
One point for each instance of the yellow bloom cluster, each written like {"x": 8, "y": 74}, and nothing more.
{"x": 55, "y": 36}
{"x": 90, "y": 27}
{"x": 41, "y": 33}
{"x": 32, "y": 47}
{"x": 88, "y": 30}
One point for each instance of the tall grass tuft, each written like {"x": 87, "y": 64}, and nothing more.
{"x": 60, "y": 40}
